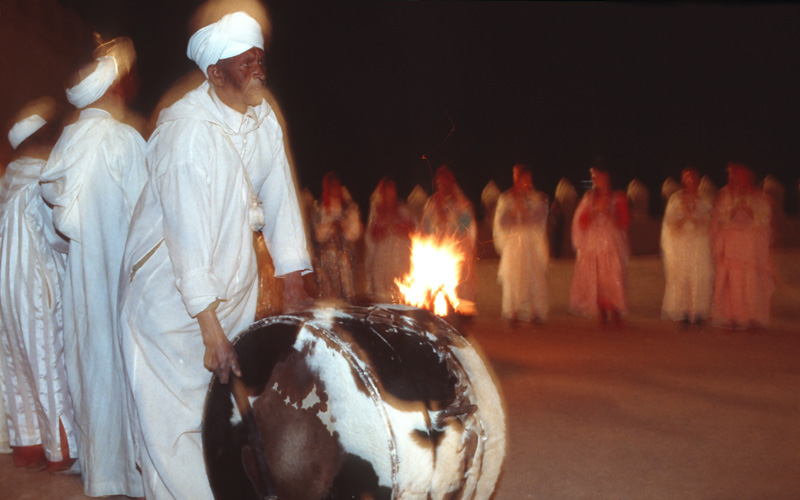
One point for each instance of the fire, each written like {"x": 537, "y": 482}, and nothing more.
{"x": 433, "y": 278}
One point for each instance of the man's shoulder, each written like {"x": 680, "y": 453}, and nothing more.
{"x": 194, "y": 106}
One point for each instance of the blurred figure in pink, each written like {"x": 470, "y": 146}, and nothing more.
{"x": 740, "y": 229}
{"x": 337, "y": 228}
{"x": 448, "y": 213}
{"x": 686, "y": 251}
{"x": 388, "y": 241}
{"x": 520, "y": 237}
{"x": 600, "y": 239}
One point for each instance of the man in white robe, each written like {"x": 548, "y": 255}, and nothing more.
{"x": 33, "y": 382}
{"x": 686, "y": 251}
{"x": 520, "y": 236}
{"x": 93, "y": 178}
{"x": 218, "y": 171}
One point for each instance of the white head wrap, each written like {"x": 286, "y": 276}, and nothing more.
{"x": 230, "y": 36}
{"x": 95, "y": 85}
{"x": 24, "y": 129}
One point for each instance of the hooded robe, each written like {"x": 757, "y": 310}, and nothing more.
{"x": 191, "y": 245}
{"x": 93, "y": 179}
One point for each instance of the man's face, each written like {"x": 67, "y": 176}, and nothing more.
{"x": 600, "y": 180}
{"x": 523, "y": 181}
{"x": 242, "y": 78}
{"x": 690, "y": 179}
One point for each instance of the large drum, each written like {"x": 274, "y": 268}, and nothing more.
{"x": 382, "y": 402}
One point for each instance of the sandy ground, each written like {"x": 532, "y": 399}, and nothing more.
{"x": 654, "y": 410}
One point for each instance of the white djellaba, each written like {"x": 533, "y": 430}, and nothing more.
{"x": 31, "y": 270}
{"x": 93, "y": 179}
{"x": 35, "y": 402}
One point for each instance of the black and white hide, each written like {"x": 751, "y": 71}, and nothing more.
{"x": 365, "y": 403}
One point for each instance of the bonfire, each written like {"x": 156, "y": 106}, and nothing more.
{"x": 433, "y": 277}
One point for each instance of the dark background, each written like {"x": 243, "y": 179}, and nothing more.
{"x": 644, "y": 90}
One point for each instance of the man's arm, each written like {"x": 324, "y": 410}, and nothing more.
{"x": 295, "y": 297}
{"x": 219, "y": 357}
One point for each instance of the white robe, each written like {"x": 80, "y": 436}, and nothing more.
{"x": 190, "y": 245}
{"x": 93, "y": 179}
{"x": 688, "y": 264}
{"x": 521, "y": 241}
{"x": 31, "y": 270}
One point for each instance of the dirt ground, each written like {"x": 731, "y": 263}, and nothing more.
{"x": 654, "y": 410}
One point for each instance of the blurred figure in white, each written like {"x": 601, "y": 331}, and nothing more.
{"x": 416, "y": 201}
{"x": 707, "y": 189}
{"x": 93, "y": 178}
{"x": 337, "y": 228}
{"x": 37, "y": 403}
{"x": 686, "y": 251}
{"x": 388, "y": 241}
{"x": 489, "y": 199}
{"x": 563, "y": 209}
{"x": 668, "y": 188}
{"x": 740, "y": 227}
{"x": 520, "y": 236}
{"x": 600, "y": 238}
{"x": 773, "y": 188}
{"x": 639, "y": 197}
{"x": 449, "y": 214}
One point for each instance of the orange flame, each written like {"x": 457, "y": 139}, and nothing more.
{"x": 433, "y": 278}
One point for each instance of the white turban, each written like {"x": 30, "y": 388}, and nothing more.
{"x": 230, "y": 36}
{"x": 24, "y": 129}
{"x": 95, "y": 85}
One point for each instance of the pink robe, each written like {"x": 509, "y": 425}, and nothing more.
{"x": 743, "y": 281}
{"x": 601, "y": 245}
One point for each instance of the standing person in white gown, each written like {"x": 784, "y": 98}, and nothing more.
{"x": 686, "y": 251}
{"x": 93, "y": 179}
{"x": 337, "y": 229}
{"x": 741, "y": 232}
{"x": 448, "y": 215}
{"x": 388, "y": 241}
{"x": 36, "y": 399}
{"x": 600, "y": 238}
{"x": 520, "y": 236}
{"x": 218, "y": 172}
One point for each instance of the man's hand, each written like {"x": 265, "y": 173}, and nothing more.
{"x": 295, "y": 297}
{"x": 220, "y": 356}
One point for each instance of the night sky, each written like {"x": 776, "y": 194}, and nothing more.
{"x": 369, "y": 87}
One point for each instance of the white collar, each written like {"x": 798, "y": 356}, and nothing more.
{"x": 237, "y": 122}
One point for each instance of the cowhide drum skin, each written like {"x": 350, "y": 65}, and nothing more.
{"x": 366, "y": 403}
